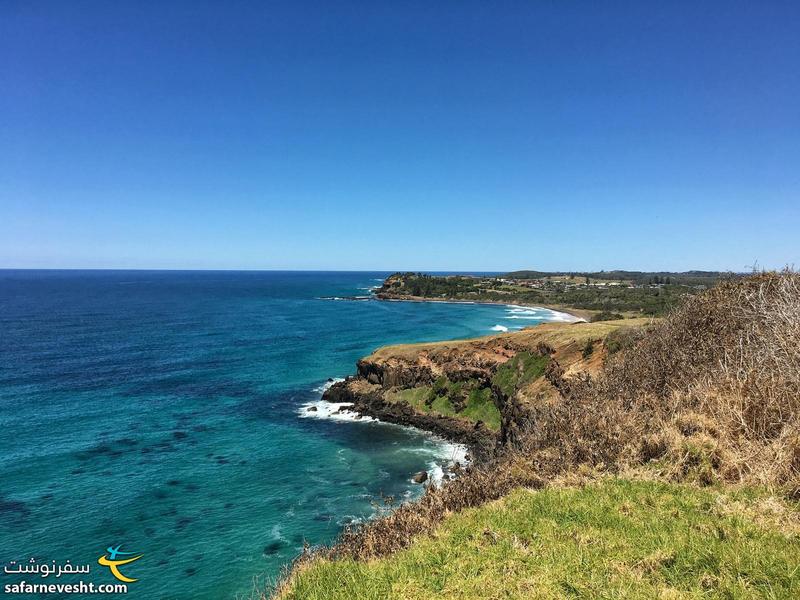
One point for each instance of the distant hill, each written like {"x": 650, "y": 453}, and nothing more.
{"x": 591, "y": 295}
{"x": 681, "y": 278}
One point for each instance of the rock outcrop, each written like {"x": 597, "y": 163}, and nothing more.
{"x": 438, "y": 386}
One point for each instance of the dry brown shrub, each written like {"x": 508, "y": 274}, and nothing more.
{"x": 723, "y": 371}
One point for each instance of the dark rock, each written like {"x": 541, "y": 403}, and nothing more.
{"x": 323, "y": 517}
{"x": 273, "y": 548}
{"x": 14, "y": 508}
{"x": 312, "y": 409}
{"x": 420, "y": 477}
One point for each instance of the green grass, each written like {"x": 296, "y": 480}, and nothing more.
{"x": 519, "y": 371}
{"x": 414, "y": 396}
{"x": 615, "y": 539}
{"x": 479, "y": 405}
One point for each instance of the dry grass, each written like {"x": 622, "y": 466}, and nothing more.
{"x": 712, "y": 391}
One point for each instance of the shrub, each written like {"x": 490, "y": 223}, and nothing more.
{"x": 606, "y": 316}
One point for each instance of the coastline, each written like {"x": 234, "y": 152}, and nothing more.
{"x": 350, "y": 401}
{"x": 576, "y": 314}
{"x": 372, "y": 406}
{"x": 343, "y": 407}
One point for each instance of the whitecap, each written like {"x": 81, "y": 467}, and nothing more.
{"x": 435, "y": 473}
{"x": 336, "y": 411}
{"x": 327, "y": 385}
{"x": 276, "y": 533}
{"x": 539, "y": 313}
{"x": 499, "y": 328}
{"x": 351, "y": 520}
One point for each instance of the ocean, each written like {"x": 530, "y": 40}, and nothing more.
{"x": 164, "y": 413}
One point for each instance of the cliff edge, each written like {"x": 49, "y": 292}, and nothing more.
{"x": 478, "y": 391}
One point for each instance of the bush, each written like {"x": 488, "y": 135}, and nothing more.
{"x": 606, "y": 316}
{"x": 725, "y": 367}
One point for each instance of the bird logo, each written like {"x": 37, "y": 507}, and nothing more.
{"x": 114, "y": 564}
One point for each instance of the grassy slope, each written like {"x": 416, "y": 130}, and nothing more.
{"x": 554, "y": 334}
{"x": 521, "y": 370}
{"x": 479, "y": 405}
{"x": 617, "y": 538}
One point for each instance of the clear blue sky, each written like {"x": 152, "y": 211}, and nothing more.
{"x": 400, "y": 135}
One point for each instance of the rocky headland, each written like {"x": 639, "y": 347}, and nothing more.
{"x": 478, "y": 391}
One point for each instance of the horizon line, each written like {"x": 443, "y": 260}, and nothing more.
{"x": 454, "y": 271}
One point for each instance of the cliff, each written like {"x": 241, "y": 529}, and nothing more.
{"x": 479, "y": 391}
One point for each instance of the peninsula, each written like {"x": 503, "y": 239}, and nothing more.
{"x": 604, "y": 295}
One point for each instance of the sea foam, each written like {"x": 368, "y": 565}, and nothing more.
{"x": 443, "y": 454}
{"x": 327, "y": 385}
{"x": 539, "y": 313}
{"x": 336, "y": 411}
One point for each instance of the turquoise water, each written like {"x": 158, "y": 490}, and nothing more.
{"x": 163, "y": 411}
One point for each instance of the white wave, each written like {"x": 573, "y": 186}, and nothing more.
{"x": 336, "y": 411}
{"x": 540, "y": 313}
{"x": 435, "y": 473}
{"x": 500, "y": 328}
{"x": 441, "y": 453}
{"x": 345, "y": 298}
{"x": 454, "y": 453}
{"x": 277, "y": 533}
{"x": 524, "y": 310}
{"x": 327, "y": 385}
{"x": 352, "y": 520}
{"x": 448, "y": 454}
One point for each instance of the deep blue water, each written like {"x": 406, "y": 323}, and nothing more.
{"x": 163, "y": 411}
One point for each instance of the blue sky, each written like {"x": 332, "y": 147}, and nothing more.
{"x": 400, "y": 135}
